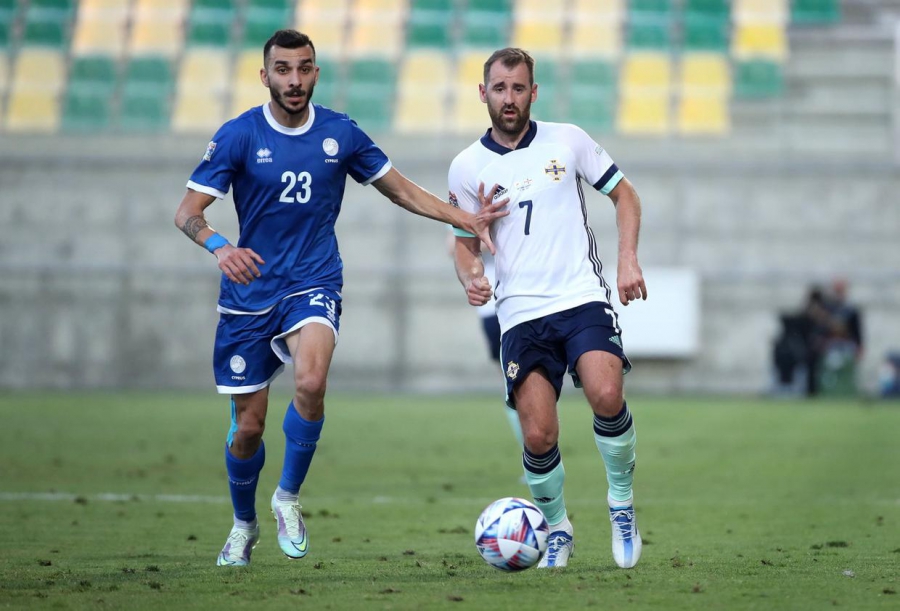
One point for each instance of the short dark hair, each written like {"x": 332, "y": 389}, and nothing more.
{"x": 510, "y": 57}
{"x": 288, "y": 39}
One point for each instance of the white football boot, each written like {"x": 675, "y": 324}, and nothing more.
{"x": 238, "y": 547}
{"x": 626, "y": 539}
{"x": 292, "y": 537}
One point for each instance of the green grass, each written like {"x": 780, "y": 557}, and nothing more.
{"x": 743, "y": 505}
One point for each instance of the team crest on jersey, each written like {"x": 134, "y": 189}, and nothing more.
{"x": 454, "y": 201}
{"x": 330, "y": 146}
{"x": 264, "y": 155}
{"x": 512, "y": 370}
{"x": 210, "y": 149}
{"x": 555, "y": 170}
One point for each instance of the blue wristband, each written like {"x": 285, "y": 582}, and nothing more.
{"x": 214, "y": 242}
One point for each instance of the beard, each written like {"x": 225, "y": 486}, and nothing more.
{"x": 511, "y": 126}
{"x": 278, "y": 98}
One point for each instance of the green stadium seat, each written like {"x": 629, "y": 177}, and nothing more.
{"x": 86, "y": 110}
{"x": 272, "y": 5}
{"x": 659, "y": 8}
{"x": 144, "y": 109}
{"x": 330, "y": 82}
{"x": 95, "y": 73}
{"x": 650, "y": 33}
{"x": 211, "y": 26}
{"x": 369, "y": 95}
{"x": 595, "y": 73}
{"x": 57, "y": 5}
{"x": 260, "y": 23}
{"x": 706, "y": 33}
{"x": 491, "y": 6}
{"x": 485, "y": 29}
{"x": 815, "y": 12}
{"x": 45, "y": 27}
{"x": 593, "y": 95}
{"x": 758, "y": 79}
{"x": 153, "y": 71}
{"x": 372, "y": 113}
{"x": 430, "y": 28}
{"x": 708, "y": 8}
{"x": 6, "y": 27}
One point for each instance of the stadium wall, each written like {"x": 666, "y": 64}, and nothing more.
{"x": 99, "y": 289}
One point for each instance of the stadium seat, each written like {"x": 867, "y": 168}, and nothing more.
{"x": 644, "y": 114}
{"x": 425, "y": 77}
{"x": 47, "y": 25}
{"x": 703, "y": 115}
{"x": 597, "y": 30}
{"x": 211, "y": 25}
{"x": 644, "y": 73}
{"x": 708, "y": 8}
{"x": 706, "y": 32}
{"x": 100, "y": 27}
{"x": 815, "y": 12}
{"x": 760, "y": 11}
{"x": 486, "y": 23}
{"x": 201, "y": 90}
{"x": 326, "y": 23}
{"x": 469, "y": 112}
{"x": 261, "y": 22}
{"x": 592, "y": 95}
{"x": 145, "y": 95}
{"x": 431, "y": 24}
{"x": 88, "y": 102}
{"x": 760, "y": 40}
{"x": 247, "y": 91}
{"x": 705, "y": 74}
{"x": 538, "y": 26}
{"x": 158, "y": 27}
{"x": 376, "y": 28}
{"x": 38, "y": 77}
{"x": 550, "y": 80}
{"x": 7, "y": 19}
{"x": 369, "y": 95}
{"x": 758, "y": 79}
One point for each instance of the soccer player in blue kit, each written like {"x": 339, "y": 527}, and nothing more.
{"x": 280, "y": 298}
{"x": 555, "y": 308}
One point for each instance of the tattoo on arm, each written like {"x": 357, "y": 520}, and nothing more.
{"x": 193, "y": 226}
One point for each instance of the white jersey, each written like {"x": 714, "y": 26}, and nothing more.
{"x": 546, "y": 252}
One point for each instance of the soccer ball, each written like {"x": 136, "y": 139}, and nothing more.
{"x": 511, "y": 534}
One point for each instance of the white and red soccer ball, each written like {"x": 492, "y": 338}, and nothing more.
{"x": 511, "y": 534}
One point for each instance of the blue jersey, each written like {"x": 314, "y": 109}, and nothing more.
{"x": 288, "y": 187}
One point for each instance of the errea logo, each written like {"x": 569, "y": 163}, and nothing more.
{"x": 263, "y": 156}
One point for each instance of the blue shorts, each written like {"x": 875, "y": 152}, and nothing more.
{"x": 250, "y": 350}
{"x": 555, "y": 342}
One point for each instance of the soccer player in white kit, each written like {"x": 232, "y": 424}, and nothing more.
{"x": 554, "y": 307}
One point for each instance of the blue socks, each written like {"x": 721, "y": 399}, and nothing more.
{"x": 616, "y": 440}
{"x": 300, "y": 445}
{"x": 545, "y": 476}
{"x": 243, "y": 475}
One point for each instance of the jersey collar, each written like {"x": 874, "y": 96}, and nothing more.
{"x": 490, "y": 144}
{"x": 290, "y": 131}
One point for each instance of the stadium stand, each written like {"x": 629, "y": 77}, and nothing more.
{"x": 650, "y": 67}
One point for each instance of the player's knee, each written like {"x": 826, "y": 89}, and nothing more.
{"x": 608, "y": 400}
{"x": 251, "y": 427}
{"x": 310, "y": 387}
{"x": 540, "y": 441}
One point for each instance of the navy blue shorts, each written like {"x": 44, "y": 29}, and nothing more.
{"x": 250, "y": 350}
{"x": 555, "y": 342}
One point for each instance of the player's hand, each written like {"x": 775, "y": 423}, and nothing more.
{"x": 630, "y": 281}
{"x": 479, "y": 291}
{"x": 239, "y": 264}
{"x": 489, "y": 211}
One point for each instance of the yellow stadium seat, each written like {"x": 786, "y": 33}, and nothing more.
{"x": 98, "y": 33}
{"x": 38, "y": 78}
{"x": 198, "y": 112}
{"x": 470, "y": 68}
{"x": 703, "y": 114}
{"x": 158, "y": 27}
{"x": 647, "y": 73}
{"x": 376, "y": 28}
{"x": 644, "y": 114}
{"x": 760, "y": 40}
{"x": 249, "y": 63}
{"x": 201, "y": 90}
{"x": 612, "y": 10}
{"x": 325, "y": 21}
{"x": 596, "y": 39}
{"x": 32, "y": 110}
{"x": 538, "y": 37}
{"x": 421, "y": 93}
{"x": 244, "y": 97}
{"x": 760, "y": 11}
{"x": 539, "y": 9}
{"x": 469, "y": 113}
{"x": 705, "y": 74}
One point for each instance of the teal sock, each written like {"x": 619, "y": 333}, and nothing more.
{"x": 514, "y": 424}
{"x": 545, "y": 475}
{"x": 616, "y": 441}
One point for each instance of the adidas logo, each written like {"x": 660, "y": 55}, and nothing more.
{"x": 501, "y": 191}
{"x": 615, "y": 339}
{"x": 544, "y": 499}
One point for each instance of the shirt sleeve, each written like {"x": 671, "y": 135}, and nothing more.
{"x": 462, "y": 193}
{"x": 368, "y": 163}
{"x": 595, "y": 165}
{"x": 219, "y": 164}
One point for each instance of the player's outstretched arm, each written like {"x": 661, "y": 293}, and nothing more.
{"x": 238, "y": 264}
{"x": 630, "y": 279}
{"x": 410, "y": 196}
{"x": 470, "y": 270}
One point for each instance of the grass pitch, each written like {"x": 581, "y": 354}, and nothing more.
{"x": 120, "y": 501}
